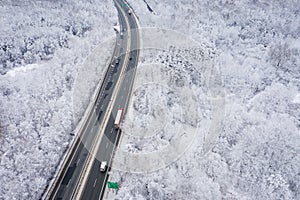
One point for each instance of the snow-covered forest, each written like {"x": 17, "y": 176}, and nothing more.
{"x": 255, "y": 155}
{"x": 48, "y": 72}
{"x": 245, "y": 146}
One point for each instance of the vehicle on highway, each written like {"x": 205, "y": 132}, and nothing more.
{"x": 115, "y": 69}
{"x": 117, "y": 61}
{"x": 129, "y": 12}
{"x": 109, "y": 84}
{"x": 118, "y": 118}
{"x": 103, "y": 166}
{"x": 117, "y": 28}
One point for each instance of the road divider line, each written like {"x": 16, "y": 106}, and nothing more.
{"x": 95, "y": 182}
{"x": 88, "y": 165}
{"x": 82, "y": 125}
{"x": 109, "y": 164}
{"x": 134, "y": 73}
{"x": 66, "y": 161}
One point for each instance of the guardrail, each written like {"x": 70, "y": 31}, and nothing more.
{"x": 87, "y": 166}
{"x": 64, "y": 164}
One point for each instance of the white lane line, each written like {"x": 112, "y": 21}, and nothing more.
{"x": 107, "y": 145}
{"x": 77, "y": 161}
{"x": 111, "y": 130}
{"x": 95, "y": 183}
{"x": 102, "y": 106}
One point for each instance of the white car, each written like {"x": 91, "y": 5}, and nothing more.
{"x": 103, "y": 166}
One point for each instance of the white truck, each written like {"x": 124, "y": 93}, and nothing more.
{"x": 103, "y": 166}
{"x": 117, "y": 28}
{"x": 118, "y": 118}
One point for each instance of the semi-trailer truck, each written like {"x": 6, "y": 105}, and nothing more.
{"x": 118, "y": 118}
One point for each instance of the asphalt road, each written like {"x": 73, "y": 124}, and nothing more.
{"x": 68, "y": 180}
{"x": 95, "y": 185}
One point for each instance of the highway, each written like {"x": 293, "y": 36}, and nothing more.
{"x": 118, "y": 80}
{"x": 94, "y": 188}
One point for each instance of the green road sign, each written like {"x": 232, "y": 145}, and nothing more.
{"x": 113, "y": 185}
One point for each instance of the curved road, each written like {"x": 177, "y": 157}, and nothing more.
{"x": 75, "y": 179}
{"x": 94, "y": 188}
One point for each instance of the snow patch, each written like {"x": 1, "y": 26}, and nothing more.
{"x": 22, "y": 69}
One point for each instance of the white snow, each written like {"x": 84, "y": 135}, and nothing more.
{"x": 218, "y": 120}
{"x": 22, "y": 69}
{"x": 52, "y": 56}
{"x": 254, "y": 153}
{"x": 296, "y": 99}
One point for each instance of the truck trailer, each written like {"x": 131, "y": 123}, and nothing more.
{"x": 118, "y": 118}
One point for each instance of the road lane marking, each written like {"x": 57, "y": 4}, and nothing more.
{"x": 95, "y": 182}
{"x": 96, "y": 145}
{"x": 107, "y": 145}
{"x": 77, "y": 161}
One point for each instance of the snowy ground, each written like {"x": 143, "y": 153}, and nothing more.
{"x": 50, "y": 63}
{"x": 255, "y": 154}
